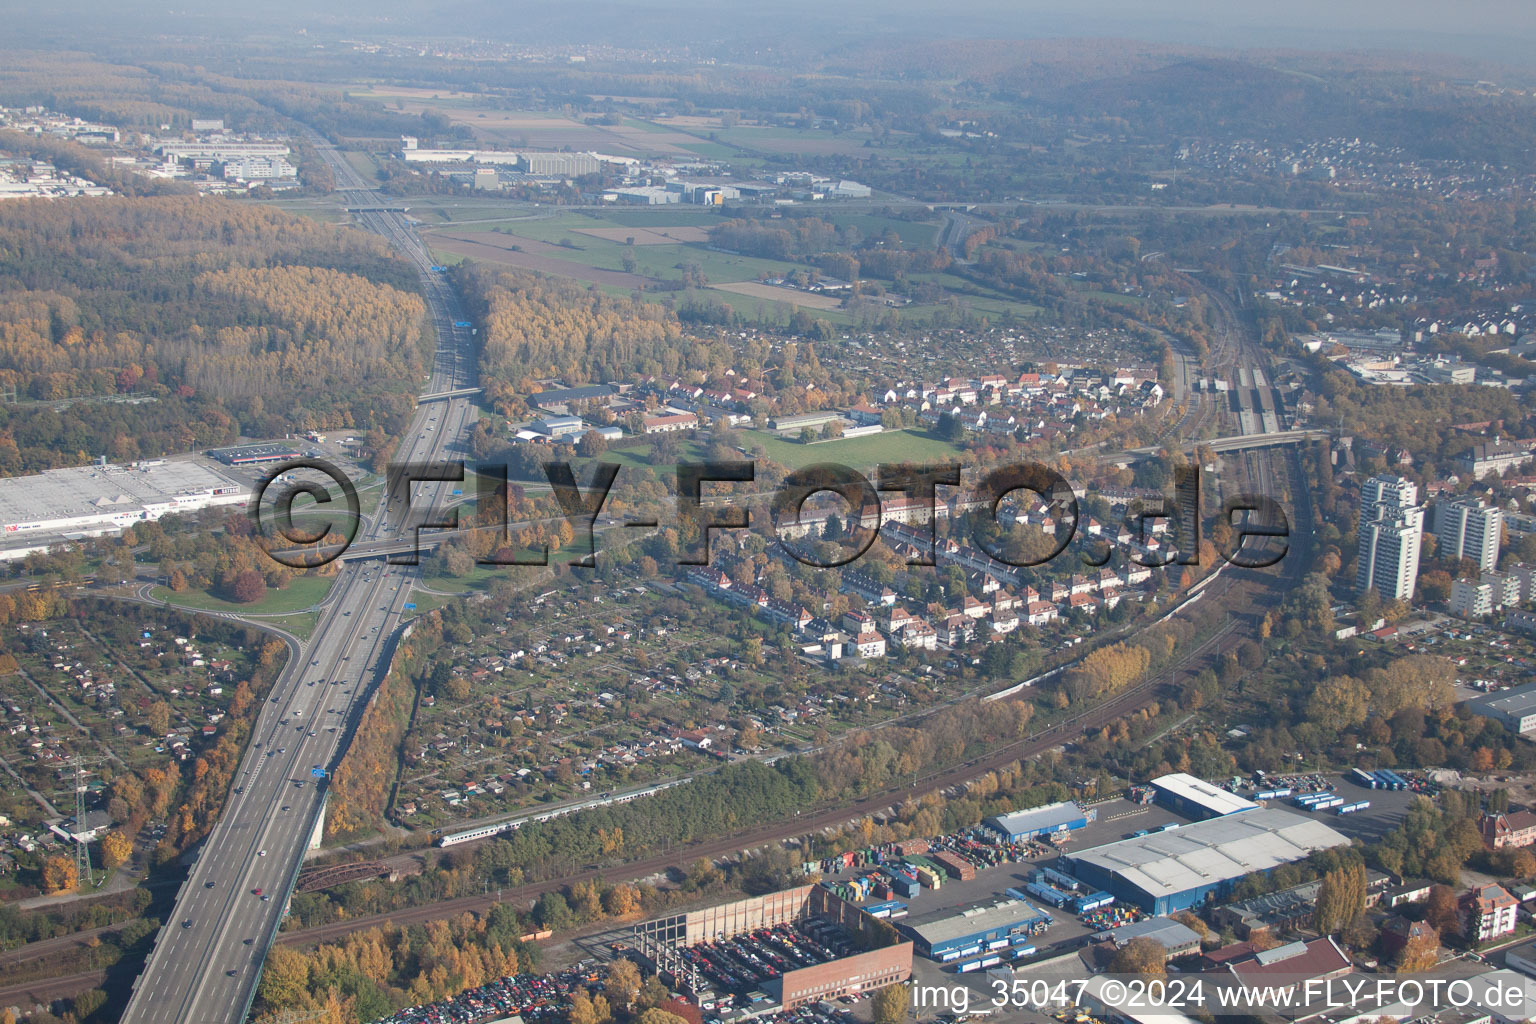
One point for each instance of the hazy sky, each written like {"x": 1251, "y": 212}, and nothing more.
{"x": 1502, "y": 30}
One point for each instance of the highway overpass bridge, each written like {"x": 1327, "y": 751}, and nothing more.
{"x": 363, "y": 551}
{"x": 444, "y": 395}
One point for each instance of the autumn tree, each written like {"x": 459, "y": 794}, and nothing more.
{"x": 158, "y": 718}
{"x": 59, "y": 874}
{"x": 1340, "y": 898}
{"x": 891, "y": 1004}
{"x": 1441, "y": 912}
{"x": 1421, "y": 953}
{"x": 1143, "y": 956}
{"x": 623, "y": 984}
{"x": 247, "y": 587}
{"x": 116, "y": 848}
{"x": 656, "y": 1015}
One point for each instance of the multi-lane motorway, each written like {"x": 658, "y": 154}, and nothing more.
{"x": 207, "y": 958}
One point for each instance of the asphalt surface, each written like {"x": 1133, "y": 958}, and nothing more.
{"x": 207, "y": 959}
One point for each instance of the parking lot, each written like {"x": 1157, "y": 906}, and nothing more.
{"x": 530, "y": 996}
{"x": 1385, "y": 813}
{"x": 740, "y": 967}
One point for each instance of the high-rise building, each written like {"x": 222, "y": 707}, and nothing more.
{"x": 1391, "y": 529}
{"x": 1469, "y": 529}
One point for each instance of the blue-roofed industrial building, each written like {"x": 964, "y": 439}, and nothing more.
{"x": 1039, "y": 822}
{"x": 966, "y": 931}
{"x": 1195, "y": 798}
{"x": 1164, "y": 872}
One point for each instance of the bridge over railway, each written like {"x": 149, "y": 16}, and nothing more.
{"x": 324, "y": 878}
{"x": 1220, "y": 445}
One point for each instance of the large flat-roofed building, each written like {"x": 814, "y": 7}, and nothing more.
{"x": 960, "y": 932}
{"x": 1493, "y": 457}
{"x": 799, "y": 421}
{"x": 559, "y": 400}
{"x": 222, "y": 150}
{"x": 254, "y": 454}
{"x": 92, "y": 501}
{"x": 1035, "y": 822}
{"x": 1175, "y": 870}
{"x": 1515, "y": 708}
{"x": 565, "y": 165}
{"x": 1196, "y": 798}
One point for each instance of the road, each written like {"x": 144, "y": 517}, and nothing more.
{"x": 207, "y": 959}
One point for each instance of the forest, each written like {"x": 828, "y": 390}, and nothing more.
{"x": 136, "y": 327}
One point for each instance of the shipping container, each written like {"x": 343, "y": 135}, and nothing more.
{"x": 956, "y": 866}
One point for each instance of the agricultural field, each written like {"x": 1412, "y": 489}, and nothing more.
{"x": 495, "y": 126}
{"x": 635, "y": 249}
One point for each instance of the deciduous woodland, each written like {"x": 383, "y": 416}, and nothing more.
{"x": 228, "y": 319}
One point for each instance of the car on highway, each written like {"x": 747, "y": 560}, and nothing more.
{"x": 261, "y": 853}
{"x": 187, "y": 923}
{"x": 287, "y": 807}
{"x": 207, "y": 885}
{"x": 256, "y": 891}
{"x": 231, "y": 973}
{"x": 267, "y": 898}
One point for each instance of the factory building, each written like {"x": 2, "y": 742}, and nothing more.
{"x": 960, "y": 932}
{"x": 92, "y": 501}
{"x": 874, "y": 955}
{"x": 1194, "y": 798}
{"x": 1175, "y": 870}
{"x": 561, "y": 165}
{"x": 642, "y": 195}
{"x": 1039, "y": 822}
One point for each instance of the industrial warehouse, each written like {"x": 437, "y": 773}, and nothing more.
{"x": 775, "y": 952}
{"x": 1195, "y": 798}
{"x": 1181, "y": 868}
{"x": 990, "y": 926}
{"x": 92, "y": 501}
{"x": 1039, "y": 822}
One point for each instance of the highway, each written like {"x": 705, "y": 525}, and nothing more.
{"x": 207, "y": 959}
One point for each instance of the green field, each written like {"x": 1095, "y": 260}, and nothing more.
{"x": 302, "y": 593}
{"x": 859, "y": 452}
